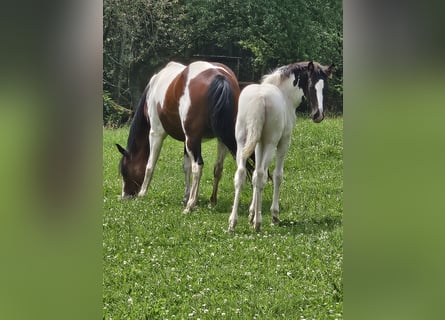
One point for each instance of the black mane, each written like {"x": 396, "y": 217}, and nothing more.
{"x": 139, "y": 124}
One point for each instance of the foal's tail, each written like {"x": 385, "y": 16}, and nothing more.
{"x": 254, "y": 126}
{"x": 222, "y": 111}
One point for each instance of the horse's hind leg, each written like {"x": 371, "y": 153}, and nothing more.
{"x": 156, "y": 140}
{"x": 217, "y": 171}
{"x": 187, "y": 166}
{"x": 194, "y": 152}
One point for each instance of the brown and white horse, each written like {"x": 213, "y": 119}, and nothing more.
{"x": 265, "y": 121}
{"x": 189, "y": 103}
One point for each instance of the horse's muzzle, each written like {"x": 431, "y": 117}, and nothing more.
{"x": 318, "y": 116}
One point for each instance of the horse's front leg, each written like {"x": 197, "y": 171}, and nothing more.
{"x": 156, "y": 140}
{"x": 217, "y": 171}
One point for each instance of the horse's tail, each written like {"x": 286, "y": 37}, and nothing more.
{"x": 254, "y": 126}
{"x": 222, "y": 111}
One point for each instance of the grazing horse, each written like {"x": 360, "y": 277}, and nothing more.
{"x": 189, "y": 103}
{"x": 266, "y": 118}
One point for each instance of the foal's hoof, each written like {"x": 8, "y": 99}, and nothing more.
{"x": 186, "y": 211}
{"x": 275, "y": 221}
{"x": 232, "y": 224}
{"x": 257, "y": 227}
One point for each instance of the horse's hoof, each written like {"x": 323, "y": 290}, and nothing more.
{"x": 186, "y": 211}
{"x": 213, "y": 202}
{"x": 257, "y": 227}
{"x": 142, "y": 193}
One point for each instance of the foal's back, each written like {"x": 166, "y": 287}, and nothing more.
{"x": 261, "y": 106}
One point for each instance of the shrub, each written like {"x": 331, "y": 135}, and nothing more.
{"x": 114, "y": 115}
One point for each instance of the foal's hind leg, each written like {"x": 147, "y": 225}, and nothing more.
{"x": 240, "y": 178}
{"x": 259, "y": 181}
{"x": 156, "y": 140}
{"x": 217, "y": 171}
{"x": 282, "y": 148}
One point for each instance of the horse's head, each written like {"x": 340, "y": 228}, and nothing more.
{"x": 132, "y": 169}
{"x": 314, "y": 82}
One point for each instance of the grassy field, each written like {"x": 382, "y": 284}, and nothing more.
{"x": 161, "y": 264}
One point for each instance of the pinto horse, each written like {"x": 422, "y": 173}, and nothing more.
{"x": 266, "y": 118}
{"x": 189, "y": 103}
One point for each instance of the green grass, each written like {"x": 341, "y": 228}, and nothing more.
{"x": 162, "y": 264}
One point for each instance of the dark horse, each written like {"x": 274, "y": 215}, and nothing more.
{"x": 189, "y": 103}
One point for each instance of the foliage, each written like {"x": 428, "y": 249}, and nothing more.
{"x": 114, "y": 115}
{"x": 162, "y": 264}
{"x": 140, "y": 36}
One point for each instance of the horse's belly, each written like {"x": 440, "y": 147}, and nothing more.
{"x": 171, "y": 123}
{"x": 173, "y": 129}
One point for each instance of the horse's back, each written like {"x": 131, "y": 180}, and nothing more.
{"x": 160, "y": 82}
{"x": 198, "y": 99}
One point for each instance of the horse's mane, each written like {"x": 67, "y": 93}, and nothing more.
{"x": 277, "y": 76}
{"x": 139, "y": 123}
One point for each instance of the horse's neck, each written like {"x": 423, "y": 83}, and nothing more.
{"x": 139, "y": 143}
{"x": 292, "y": 95}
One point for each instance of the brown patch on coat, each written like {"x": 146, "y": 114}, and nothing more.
{"x": 169, "y": 112}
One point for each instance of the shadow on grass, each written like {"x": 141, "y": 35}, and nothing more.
{"x": 300, "y": 224}
{"x": 309, "y": 225}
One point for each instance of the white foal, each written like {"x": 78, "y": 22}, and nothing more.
{"x": 266, "y": 118}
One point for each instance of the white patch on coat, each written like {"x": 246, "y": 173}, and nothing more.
{"x": 194, "y": 70}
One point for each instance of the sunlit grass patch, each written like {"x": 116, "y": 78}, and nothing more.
{"x": 162, "y": 264}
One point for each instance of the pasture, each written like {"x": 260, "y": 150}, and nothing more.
{"x": 159, "y": 263}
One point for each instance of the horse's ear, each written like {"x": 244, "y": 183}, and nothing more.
{"x": 310, "y": 67}
{"x": 122, "y": 150}
{"x": 329, "y": 70}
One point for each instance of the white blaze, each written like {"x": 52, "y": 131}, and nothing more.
{"x": 319, "y": 89}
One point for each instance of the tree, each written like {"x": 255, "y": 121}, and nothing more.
{"x": 140, "y": 36}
